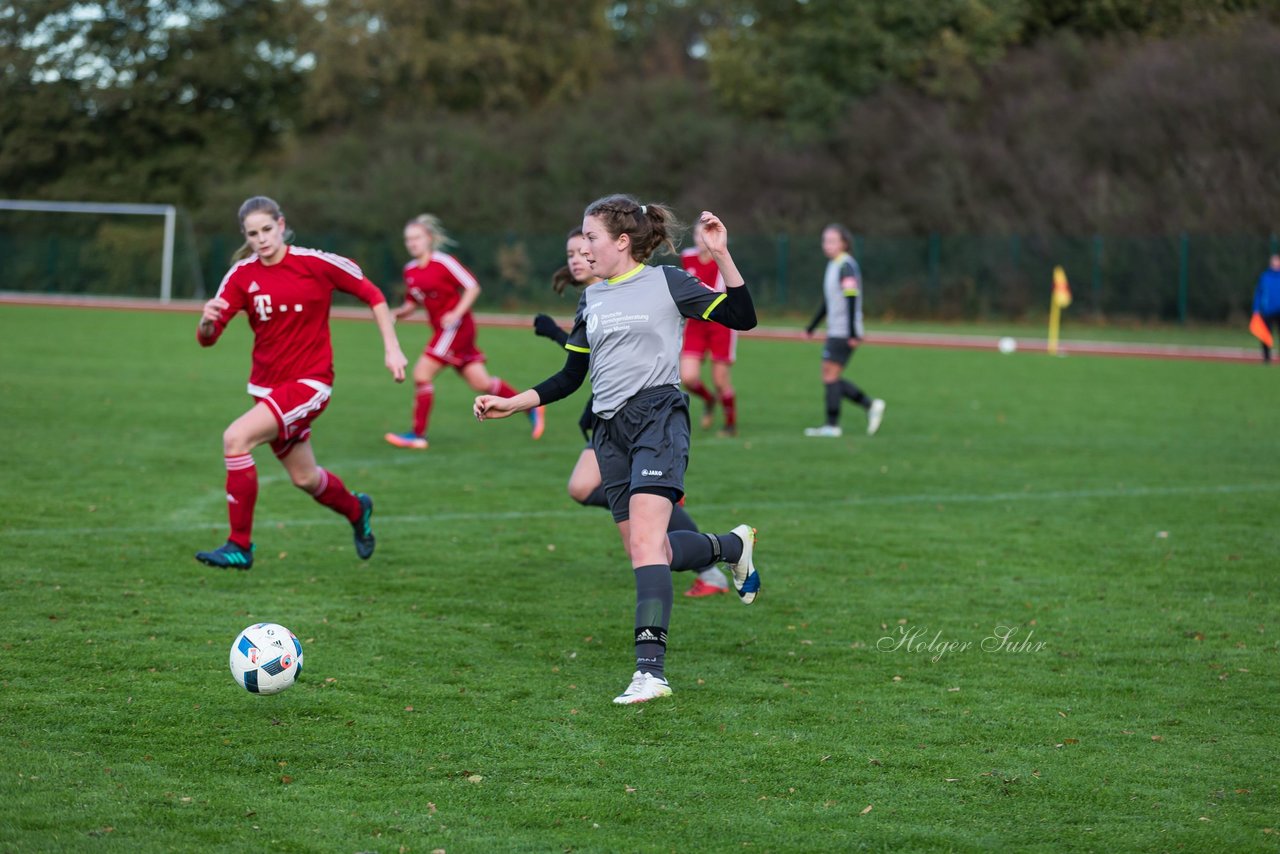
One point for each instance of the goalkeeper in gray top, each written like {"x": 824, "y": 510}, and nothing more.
{"x": 627, "y": 333}
{"x": 842, "y": 307}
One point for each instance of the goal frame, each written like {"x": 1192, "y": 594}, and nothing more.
{"x": 169, "y": 212}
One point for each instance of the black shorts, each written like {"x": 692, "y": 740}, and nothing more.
{"x": 837, "y": 350}
{"x": 645, "y": 445}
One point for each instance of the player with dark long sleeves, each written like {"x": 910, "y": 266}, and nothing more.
{"x": 842, "y": 308}
{"x": 627, "y": 333}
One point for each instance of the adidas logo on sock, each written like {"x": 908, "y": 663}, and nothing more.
{"x": 647, "y": 636}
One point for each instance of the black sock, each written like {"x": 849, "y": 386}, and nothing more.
{"x": 691, "y": 550}
{"x": 653, "y": 616}
{"x": 596, "y": 498}
{"x": 833, "y": 403}
{"x": 855, "y": 394}
{"x": 680, "y": 520}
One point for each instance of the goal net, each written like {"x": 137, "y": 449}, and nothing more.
{"x": 97, "y": 249}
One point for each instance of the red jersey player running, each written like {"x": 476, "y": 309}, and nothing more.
{"x": 287, "y": 291}
{"x": 703, "y": 339}
{"x": 440, "y": 284}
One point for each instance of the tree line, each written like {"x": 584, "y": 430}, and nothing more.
{"x": 897, "y": 116}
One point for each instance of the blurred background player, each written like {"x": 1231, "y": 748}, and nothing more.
{"x": 704, "y": 339}
{"x": 627, "y": 333}
{"x": 447, "y": 290}
{"x": 1266, "y": 301}
{"x": 842, "y": 307}
{"x": 585, "y": 484}
{"x": 287, "y": 292}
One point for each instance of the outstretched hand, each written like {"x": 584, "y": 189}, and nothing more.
{"x": 489, "y": 406}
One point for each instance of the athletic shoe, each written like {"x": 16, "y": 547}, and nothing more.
{"x": 745, "y": 578}
{"x": 874, "y": 414}
{"x": 709, "y": 416}
{"x": 827, "y": 431}
{"x": 363, "y": 532}
{"x": 701, "y": 588}
{"x": 538, "y": 418}
{"x": 728, "y": 432}
{"x": 643, "y": 688}
{"x": 228, "y": 556}
{"x": 407, "y": 440}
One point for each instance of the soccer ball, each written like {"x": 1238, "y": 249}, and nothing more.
{"x": 1007, "y": 345}
{"x": 266, "y": 658}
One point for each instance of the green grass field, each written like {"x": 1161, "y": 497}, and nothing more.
{"x": 1119, "y": 516}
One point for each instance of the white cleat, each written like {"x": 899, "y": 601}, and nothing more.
{"x": 826, "y": 431}
{"x": 643, "y": 688}
{"x": 874, "y": 415}
{"x": 745, "y": 578}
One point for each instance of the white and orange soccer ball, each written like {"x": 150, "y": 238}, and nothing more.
{"x": 266, "y": 658}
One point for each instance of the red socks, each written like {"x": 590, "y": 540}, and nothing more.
{"x": 698, "y": 389}
{"x": 333, "y": 494}
{"x": 730, "y": 404}
{"x": 242, "y": 494}
{"x": 500, "y": 388}
{"x": 424, "y": 396}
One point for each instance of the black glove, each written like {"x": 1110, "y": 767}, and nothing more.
{"x": 546, "y": 326}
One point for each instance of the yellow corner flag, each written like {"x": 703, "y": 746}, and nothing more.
{"x": 1061, "y": 299}
{"x": 1061, "y": 290}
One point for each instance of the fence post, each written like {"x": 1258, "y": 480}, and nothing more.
{"x": 1097, "y": 274}
{"x": 1183, "y": 251}
{"x": 782, "y": 245}
{"x": 935, "y": 263}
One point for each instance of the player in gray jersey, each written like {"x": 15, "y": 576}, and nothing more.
{"x": 628, "y": 333}
{"x": 842, "y": 307}
{"x": 585, "y": 483}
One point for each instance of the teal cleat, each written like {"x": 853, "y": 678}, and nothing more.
{"x": 363, "y": 532}
{"x": 228, "y": 556}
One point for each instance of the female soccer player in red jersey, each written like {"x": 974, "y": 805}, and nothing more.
{"x": 287, "y": 291}
{"x": 440, "y": 284}
{"x": 706, "y": 340}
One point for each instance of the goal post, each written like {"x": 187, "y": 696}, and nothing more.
{"x": 169, "y": 212}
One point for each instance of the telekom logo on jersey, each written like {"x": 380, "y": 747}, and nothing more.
{"x": 262, "y": 305}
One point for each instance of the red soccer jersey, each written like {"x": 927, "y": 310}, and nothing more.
{"x": 708, "y": 272}
{"x": 438, "y": 286}
{"x": 288, "y": 306}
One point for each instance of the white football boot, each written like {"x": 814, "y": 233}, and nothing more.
{"x": 643, "y": 688}
{"x": 745, "y": 578}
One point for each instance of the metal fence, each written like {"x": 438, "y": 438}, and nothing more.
{"x": 1180, "y": 278}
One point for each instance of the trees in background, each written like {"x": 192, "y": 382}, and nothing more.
{"x": 903, "y": 116}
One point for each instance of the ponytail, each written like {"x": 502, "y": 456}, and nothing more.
{"x": 257, "y": 204}
{"x": 650, "y": 227}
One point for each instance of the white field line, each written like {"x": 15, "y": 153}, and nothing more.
{"x": 322, "y": 518}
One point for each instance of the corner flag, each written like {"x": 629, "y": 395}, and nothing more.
{"x": 1061, "y": 290}
{"x": 1258, "y": 327}
{"x": 1061, "y": 299}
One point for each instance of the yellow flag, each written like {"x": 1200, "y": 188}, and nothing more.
{"x": 1061, "y": 290}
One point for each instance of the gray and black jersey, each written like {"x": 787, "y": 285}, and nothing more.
{"x": 633, "y": 327}
{"x": 842, "y": 291}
